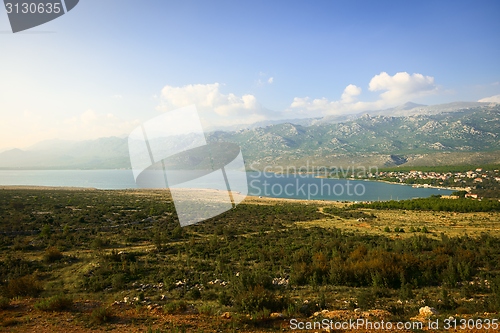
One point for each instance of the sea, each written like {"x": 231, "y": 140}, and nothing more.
{"x": 299, "y": 186}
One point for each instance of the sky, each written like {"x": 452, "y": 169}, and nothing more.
{"x": 107, "y": 66}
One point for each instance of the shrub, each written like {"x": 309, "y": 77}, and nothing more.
{"x": 46, "y": 231}
{"x": 175, "y": 307}
{"x": 494, "y": 300}
{"x": 194, "y": 294}
{"x": 207, "y": 309}
{"x": 119, "y": 281}
{"x": 4, "y": 302}
{"x": 366, "y": 299}
{"x": 224, "y": 299}
{"x": 54, "y": 303}
{"x": 177, "y": 233}
{"x": 406, "y": 293}
{"x": 52, "y": 254}
{"x": 98, "y": 243}
{"x": 209, "y": 295}
{"x": 23, "y": 286}
{"x": 257, "y": 299}
{"x": 100, "y": 315}
{"x": 446, "y": 301}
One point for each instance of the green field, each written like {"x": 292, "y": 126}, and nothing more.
{"x": 265, "y": 256}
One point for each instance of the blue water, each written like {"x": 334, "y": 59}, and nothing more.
{"x": 259, "y": 184}
{"x": 309, "y": 187}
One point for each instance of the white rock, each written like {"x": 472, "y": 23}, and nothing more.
{"x": 427, "y": 311}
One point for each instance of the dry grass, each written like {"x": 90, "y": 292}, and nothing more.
{"x": 451, "y": 224}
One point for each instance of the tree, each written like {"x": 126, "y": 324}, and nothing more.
{"x": 46, "y": 231}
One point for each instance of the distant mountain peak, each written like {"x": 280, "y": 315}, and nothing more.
{"x": 14, "y": 150}
{"x": 411, "y": 105}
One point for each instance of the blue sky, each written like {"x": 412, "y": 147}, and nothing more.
{"x": 107, "y": 66}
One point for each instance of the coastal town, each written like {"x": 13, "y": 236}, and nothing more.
{"x": 475, "y": 184}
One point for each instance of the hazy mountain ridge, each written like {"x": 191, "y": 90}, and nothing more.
{"x": 406, "y": 109}
{"x": 102, "y": 153}
{"x": 371, "y": 137}
{"x": 378, "y": 138}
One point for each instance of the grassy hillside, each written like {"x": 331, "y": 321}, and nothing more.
{"x": 115, "y": 257}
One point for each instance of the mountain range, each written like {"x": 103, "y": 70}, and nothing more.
{"x": 411, "y": 134}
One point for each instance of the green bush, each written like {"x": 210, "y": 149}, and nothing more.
{"x": 209, "y": 295}
{"x": 23, "y": 286}
{"x": 54, "y": 303}
{"x": 207, "y": 309}
{"x": 493, "y": 300}
{"x": 406, "y": 293}
{"x": 4, "y": 302}
{"x": 100, "y": 315}
{"x": 224, "y": 299}
{"x": 366, "y": 299}
{"x": 52, "y": 254}
{"x": 119, "y": 281}
{"x": 194, "y": 294}
{"x": 435, "y": 204}
{"x": 175, "y": 307}
{"x": 257, "y": 299}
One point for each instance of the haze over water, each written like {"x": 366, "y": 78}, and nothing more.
{"x": 266, "y": 185}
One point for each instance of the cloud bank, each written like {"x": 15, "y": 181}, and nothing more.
{"x": 216, "y": 109}
{"x": 397, "y": 89}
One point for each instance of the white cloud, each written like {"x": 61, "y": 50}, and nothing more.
{"x": 491, "y": 99}
{"x": 397, "y": 89}
{"x": 349, "y": 94}
{"x": 214, "y": 107}
{"x": 402, "y": 86}
{"x": 317, "y": 104}
{"x": 264, "y": 79}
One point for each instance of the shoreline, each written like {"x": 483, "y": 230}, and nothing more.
{"x": 248, "y": 198}
{"x": 417, "y": 185}
{"x": 299, "y": 174}
{"x": 404, "y": 184}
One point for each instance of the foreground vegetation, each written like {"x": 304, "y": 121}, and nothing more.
{"x": 125, "y": 251}
{"x": 436, "y": 204}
